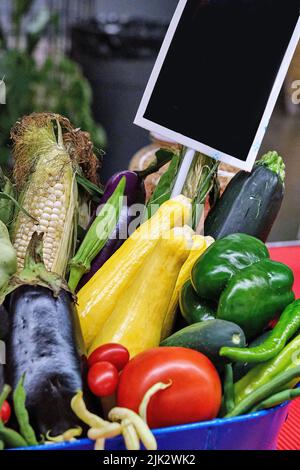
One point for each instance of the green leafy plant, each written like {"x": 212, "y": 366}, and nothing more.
{"x": 57, "y": 85}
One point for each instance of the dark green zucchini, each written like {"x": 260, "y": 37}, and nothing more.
{"x": 208, "y": 338}
{"x": 251, "y": 201}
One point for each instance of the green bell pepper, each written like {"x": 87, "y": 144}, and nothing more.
{"x": 193, "y": 308}
{"x": 257, "y": 295}
{"x": 222, "y": 260}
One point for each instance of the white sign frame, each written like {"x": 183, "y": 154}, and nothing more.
{"x": 151, "y": 126}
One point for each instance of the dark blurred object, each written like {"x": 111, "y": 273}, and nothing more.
{"x": 117, "y": 57}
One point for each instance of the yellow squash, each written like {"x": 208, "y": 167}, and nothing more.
{"x": 97, "y": 299}
{"x": 138, "y": 316}
{"x": 200, "y": 244}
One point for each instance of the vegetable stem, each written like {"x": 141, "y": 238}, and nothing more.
{"x": 275, "y": 163}
{"x": 277, "y": 399}
{"x": 229, "y": 401}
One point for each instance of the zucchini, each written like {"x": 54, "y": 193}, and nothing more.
{"x": 208, "y": 338}
{"x": 251, "y": 201}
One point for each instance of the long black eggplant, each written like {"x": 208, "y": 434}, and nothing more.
{"x": 44, "y": 344}
{"x": 251, "y": 201}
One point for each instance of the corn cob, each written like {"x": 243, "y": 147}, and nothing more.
{"x": 45, "y": 173}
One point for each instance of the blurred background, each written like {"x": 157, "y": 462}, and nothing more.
{"x": 91, "y": 60}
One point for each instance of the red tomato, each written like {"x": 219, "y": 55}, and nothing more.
{"x": 103, "y": 379}
{"x": 114, "y": 353}
{"x": 5, "y": 412}
{"x": 195, "y": 393}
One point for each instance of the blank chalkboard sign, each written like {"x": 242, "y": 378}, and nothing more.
{"x": 219, "y": 73}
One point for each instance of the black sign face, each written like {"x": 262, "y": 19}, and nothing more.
{"x": 219, "y": 73}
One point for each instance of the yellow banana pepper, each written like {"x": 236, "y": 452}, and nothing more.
{"x": 138, "y": 317}
{"x": 200, "y": 244}
{"x": 97, "y": 299}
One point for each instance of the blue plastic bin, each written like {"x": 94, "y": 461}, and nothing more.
{"x": 257, "y": 431}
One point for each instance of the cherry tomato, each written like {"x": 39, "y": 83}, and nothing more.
{"x": 103, "y": 379}
{"x": 5, "y": 412}
{"x": 114, "y": 353}
{"x": 194, "y": 395}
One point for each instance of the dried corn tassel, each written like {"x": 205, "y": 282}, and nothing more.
{"x": 45, "y": 174}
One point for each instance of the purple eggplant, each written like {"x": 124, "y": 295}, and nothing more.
{"x": 134, "y": 194}
{"x": 134, "y": 190}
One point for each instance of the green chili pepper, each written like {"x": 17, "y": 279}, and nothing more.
{"x": 277, "y": 399}
{"x": 11, "y": 438}
{"x": 265, "y": 391}
{"x": 4, "y": 394}
{"x": 97, "y": 236}
{"x": 8, "y": 257}
{"x": 228, "y": 400}
{"x": 19, "y": 398}
{"x": 257, "y": 295}
{"x": 222, "y": 260}
{"x": 285, "y": 329}
{"x": 263, "y": 373}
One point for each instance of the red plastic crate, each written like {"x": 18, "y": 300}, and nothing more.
{"x": 289, "y": 437}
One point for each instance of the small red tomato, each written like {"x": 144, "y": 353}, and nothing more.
{"x": 103, "y": 379}
{"x": 114, "y": 353}
{"x": 5, "y": 412}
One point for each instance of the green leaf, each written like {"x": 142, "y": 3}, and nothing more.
{"x": 37, "y": 28}
{"x": 164, "y": 188}
{"x": 162, "y": 157}
{"x": 19, "y": 10}
{"x": 92, "y": 189}
{"x": 11, "y": 198}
